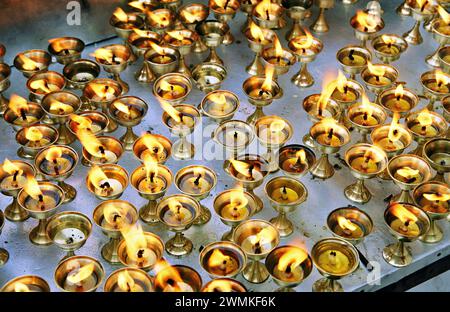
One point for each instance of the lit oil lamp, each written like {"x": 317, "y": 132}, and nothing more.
{"x": 257, "y": 238}
{"x": 5, "y": 73}
{"x": 26, "y": 283}
{"x": 224, "y": 285}
{"x": 111, "y": 216}
{"x": 160, "y": 20}
{"x": 128, "y": 111}
{"x": 182, "y": 40}
{"x": 389, "y": 47}
{"x": 247, "y": 8}
{"x": 156, "y": 146}
{"x": 444, "y": 58}
{"x": 59, "y": 105}
{"x": 233, "y": 207}
{"x": 99, "y": 150}
{"x": 261, "y": 91}
{"x": 79, "y": 274}
{"x": 114, "y": 59}
{"x": 421, "y": 11}
{"x": 107, "y": 181}
{"x": 379, "y": 77}
{"x": 398, "y": 100}
{"x": 350, "y": 224}
{"x": 329, "y": 137}
{"x": 353, "y": 59}
{"x": 208, "y": 77}
{"x": 295, "y": 160}
{"x": 249, "y": 171}
{"x": 79, "y": 73}
{"x": 124, "y": 22}
{"x": 66, "y": 49}
{"x": 101, "y": 92}
{"x": 297, "y": 11}
{"x": 225, "y": 12}
{"x": 306, "y": 48}
{"x": 406, "y": 223}
{"x": 21, "y": 113}
{"x": 219, "y": 105}
{"x": 57, "y": 163}
{"x": 235, "y": 136}
{"x": 320, "y": 25}
{"x": 139, "y": 249}
{"x": 289, "y": 266}
{"x": 273, "y": 132}
{"x": 365, "y": 162}
{"x": 257, "y": 39}
{"x": 69, "y": 230}
{"x": 435, "y": 85}
{"x": 407, "y": 171}
{"x": 437, "y": 153}
{"x": 128, "y": 280}
{"x": 172, "y": 88}
{"x": 424, "y": 126}
{"x": 178, "y": 213}
{"x": 139, "y": 42}
{"x": 93, "y": 121}
{"x": 267, "y": 14}
{"x": 190, "y": 16}
{"x": 365, "y": 116}
{"x": 34, "y": 138}
{"x": 162, "y": 60}
{"x": 177, "y": 278}
{"x": 41, "y": 200}
{"x": 41, "y": 84}
{"x": 4, "y": 254}
{"x": 222, "y": 259}
{"x": 181, "y": 120}
{"x": 285, "y": 195}
{"x": 30, "y": 62}
{"x": 446, "y": 112}
{"x": 13, "y": 177}
{"x": 212, "y": 33}
{"x": 334, "y": 258}
{"x": 366, "y": 26}
{"x": 197, "y": 181}
{"x": 278, "y": 58}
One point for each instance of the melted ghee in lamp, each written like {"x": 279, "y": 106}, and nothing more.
{"x": 284, "y": 195}
{"x": 208, "y": 79}
{"x": 354, "y": 60}
{"x": 69, "y": 236}
{"x": 334, "y": 262}
{"x": 222, "y": 263}
{"x": 252, "y": 245}
{"x": 389, "y": 49}
{"x": 442, "y": 159}
{"x": 29, "y": 119}
{"x": 108, "y": 157}
{"x": 186, "y": 121}
{"x": 94, "y": 127}
{"x": 328, "y": 139}
{"x": 410, "y": 229}
{"x": 132, "y": 114}
{"x": 13, "y": 182}
{"x": 84, "y": 285}
{"x": 434, "y": 206}
{"x": 116, "y": 221}
{"x": 234, "y": 212}
{"x": 347, "y": 233}
{"x": 178, "y": 216}
{"x": 179, "y": 43}
{"x": 390, "y": 146}
{"x": 46, "y": 202}
{"x": 255, "y": 175}
{"x": 278, "y": 61}
{"x": 291, "y": 275}
{"x": 58, "y": 166}
{"x": 108, "y": 188}
{"x": 273, "y": 137}
{"x": 174, "y": 91}
{"x": 259, "y": 93}
{"x": 158, "y": 155}
{"x": 398, "y": 104}
{"x": 152, "y": 185}
{"x": 145, "y": 257}
{"x": 127, "y": 283}
{"x": 236, "y": 137}
{"x": 194, "y": 184}
{"x": 44, "y": 87}
{"x": 294, "y": 165}
{"x": 378, "y": 80}
{"x": 410, "y": 178}
{"x": 364, "y": 164}
{"x": 162, "y": 59}
{"x": 365, "y": 120}
{"x": 427, "y": 131}
{"x": 438, "y": 87}
{"x": 349, "y": 95}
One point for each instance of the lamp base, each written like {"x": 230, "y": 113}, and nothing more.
{"x": 358, "y": 192}
{"x": 69, "y": 191}
{"x": 256, "y": 67}
{"x": 179, "y": 246}
{"x": 403, "y": 197}
{"x": 204, "y": 217}
{"x": 145, "y": 74}
{"x": 15, "y": 213}
{"x": 255, "y": 272}
{"x": 148, "y": 214}
{"x": 309, "y": 141}
{"x": 284, "y": 226}
{"x": 303, "y": 79}
{"x": 327, "y": 285}
{"x": 258, "y": 113}
{"x": 413, "y": 36}
{"x": 323, "y": 169}
{"x": 434, "y": 234}
{"x": 109, "y": 251}
{"x": 397, "y": 255}
{"x": 22, "y": 154}
{"x": 182, "y": 149}
{"x": 38, "y": 235}
{"x": 320, "y": 25}
{"x": 128, "y": 139}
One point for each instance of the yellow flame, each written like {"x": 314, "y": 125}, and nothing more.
{"x": 11, "y": 168}
{"x": 376, "y": 70}
{"x": 97, "y": 176}
{"x": 157, "y": 48}
{"x": 408, "y": 172}
{"x": 256, "y": 32}
{"x": 175, "y": 207}
{"x": 277, "y": 125}
{"x": 403, "y": 214}
{"x": 367, "y": 107}
{"x": 83, "y": 122}
{"x": 241, "y": 167}
{"x": 171, "y": 111}
{"x": 277, "y": 46}
{"x": 366, "y": 21}
{"x": 137, "y": 5}
{"x": 191, "y": 18}
{"x": 265, "y": 236}
{"x": 81, "y": 273}
{"x": 301, "y": 156}
{"x": 303, "y": 42}
{"x": 159, "y": 19}
{"x": 18, "y": 104}
{"x": 176, "y": 34}
{"x": 101, "y": 90}
{"x": 122, "y": 107}
{"x": 444, "y": 15}
{"x": 167, "y": 275}
{"x": 341, "y": 82}
{"x": 143, "y": 33}
{"x": 267, "y": 84}
{"x": 399, "y": 91}
{"x": 346, "y": 224}
{"x": 328, "y": 86}
{"x": 217, "y": 258}
{"x": 264, "y": 9}
{"x": 90, "y": 142}
{"x": 151, "y": 167}
{"x": 53, "y": 153}
{"x": 120, "y": 15}
{"x": 394, "y": 134}
{"x": 291, "y": 259}
{"x": 238, "y": 199}
{"x": 437, "y": 197}
{"x": 152, "y": 143}
{"x": 135, "y": 241}
{"x": 21, "y": 287}
{"x": 425, "y": 118}
{"x": 104, "y": 54}
{"x": 388, "y": 39}
{"x": 41, "y": 84}
{"x": 125, "y": 281}
{"x": 28, "y": 63}
{"x": 60, "y": 107}
{"x": 115, "y": 215}
{"x": 32, "y": 188}
{"x": 33, "y": 134}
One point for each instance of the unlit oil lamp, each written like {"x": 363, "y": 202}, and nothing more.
{"x": 437, "y": 153}
{"x": 268, "y": 14}
{"x": 350, "y": 224}
{"x": 41, "y": 84}
{"x": 21, "y": 113}
{"x": 26, "y": 283}
{"x": 93, "y": 121}
{"x": 366, "y": 26}
{"x": 59, "y": 105}
{"x": 156, "y": 146}
{"x": 13, "y": 177}
{"x": 406, "y": 222}
{"x": 222, "y": 259}
{"x": 295, "y": 160}
{"x": 285, "y": 195}
{"x": 435, "y": 85}
{"x": 365, "y": 116}
{"x": 277, "y": 57}
{"x": 178, "y": 212}
{"x": 107, "y": 181}
{"x": 258, "y": 38}
{"x": 224, "y": 285}
{"x": 30, "y": 62}
{"x": 197, "y": 181}
{"x": 66, "y": 49}
{"x": 160, "y": 20}
{"x": 111, "y": 216}
{"x": 139, "y": 249}
{"x": 99, "y": 150}
{"x": 172, "y": 88}
{"x": 398, "y": 100}
{"x": 139, "y": 42}
{"x": 181, "y": 120}
{"x": 421, "y": 11}
{"x": 5, "y": 73}
{"x": 177, "y": 278}
{"x": 257, "y": 238}
{"x": 57, "y": 163}
{"x": 433, "y": 198}
{"x": 320, "y": 25}
{"x": 190, "y": 16}
{"x": 306, "y": 48}
{"x": 407, "y": 171}
{"x": 334, "y": 258}
{"x": 329, "y": 137}
{"x": 183, "y": 41}
{"x": 235, "y": 136}
{"x": 424, "y": 126}
{"x": 34, "y": 138}
{"x": 128, "y": 280}
{"x": 69, "y": 230}
{"x": 261, "y": 91}
{"x": 273, "y": 132}
{"x": 212, "y": 33}
{"x": 41, "y": 200}
{"x": 114, "y": 59}
{"x": 297, "y": 11}
{"x": 80, "y": 72}
{"x": 233, "y": 207}
{"x": 208, "y": 77}
{"x": 389, "y": 47}
{"x": 225, "y": 11}
{"x": 353, "y": 59}
{"x": 365, "y": 162}
{"x": 101, "y": 92}
{"x": 219, "y": 105}
{"x": 4, "y": 254}
{"x": 124, "y": 22}
{"x": 288, "y": 265}
{"x": 79, "y": 274}
{"x": 379, "y": 77}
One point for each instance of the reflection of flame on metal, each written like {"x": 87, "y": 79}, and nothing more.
{"x": 219, "y": 285}
{"x": 277, "y": 126}
{"x": 388, "y": 40}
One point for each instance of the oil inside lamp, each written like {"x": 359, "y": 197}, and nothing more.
{"x": 177, "y": 214}
{"x": 35, "y": 138}
{"x": 177, "y": 118}
{"x": 398, "y": 103}
{"x": 126, "y": 112}
{"x": 107, "y": 57}
{"x": 178, "y": 39}
{"x": 56, "y": 162}
{"x": 170, "y": 279}
{"x": 408, "y": 175}
{"x": 171, "y": 91}
{"x": 246, "y": 171}
{"x": 304, "y": 44}
{"x": 153, "y": 183}
{"x": 60, "y": 49}
{"x": 104, "y": 186}
{"x": 80, "y": 277}
{"x": 96, "y": 149}
{"x": 60, "y": 108}
{"x": 195, "y": 181}
{"x": 85, "y": 123}
{"x": 274, "y": 134}
{"x": 102, "y": 92}
{"x": 138, "y": 251}
{"x": 160, "y": 19}
{"x": 377, "y": 75}
{"x": 441, "y": 83}
{"x": 392, "y": 142}
{"x": 16, "y": 178}
{"x": 260, "y": 242}
{"x": 288, "y": 268}
{"x": 368, "y": 163}
{"x": 389, "y": 47}
{"x": 348, "y": 228}
{"x": 278, "y": 59}
{"x": 162, "y": 56}
{"x": 20, "y": 107}
{"x": 443, "y": 28}
{"x": 126, "y": 283}
{"x": 37, "y": 200}
{"x": 219, "y": 106}
{"x": 424, "y": 126}
{"x": 29, "y": 64}
{"x": 328, "y": 138}
{"x": 435, "y": 202}
{"x": 154, "y": 149}
{"x": 284, "y": 195}
{"x": 296, "y": 164}
{"x": 236, "y": 209}
{"x": 353, "y": 59}
{"x": 265, "y": 11}
{"x": 406, "y": 221}
{"x": 123, "y": 20}
{"x": 365, "y": 116}
{"x": 115, "y": 217}
{"x": 222, "y": 263}
{"x": 334, "y": 261}
{"x": 265, "y": 91}
{"x": 343, "y": 92}
{"x": 43, "y": 86}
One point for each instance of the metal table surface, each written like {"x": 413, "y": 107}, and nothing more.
{"x": 310, "y": 217}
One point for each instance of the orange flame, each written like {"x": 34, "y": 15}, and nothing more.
{"x": 120, "y": 15}
{"x": 83, "y": 122}
{"x": 341, "y": 82}
{"x": 167, "y": 276}
{"x": 101, "y": 90}
{"x": 441, "y": 78}
{"x": 152, "y": 143}
{"x": 291, "y": 259}
{"x": 176, "y": 34}
{"x": 53, "y": 153}
{"x": 97, "y": 176}
{"x": 366, "y": 107}
{"x": 218, "y": 285}
{"x": 81, "y": 273}
{"x": 264, "y": 9}
{"x": 137, "y": 5}
{"x": 403, "y": 214}
{"x": 143, "y": 33}
{"x": 115, "y": 215}
{"x": 42, "y": 84}
{"x": 217, "y": 258}
{"x": 328, "y": 87}
{"x": 122, "y": 107}
{"x": 159, "y": 19}
{"x": 158, "y": 49}
{"x": 106, "y": 55}
{"x": 60, "y": 108}
{"x": 277, "y": 46}
{"x": 399, "y": 91}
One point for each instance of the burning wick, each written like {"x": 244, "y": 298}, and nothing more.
{"x": 404, "y": 227}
